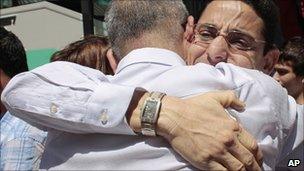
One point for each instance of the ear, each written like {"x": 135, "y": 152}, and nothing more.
{"x": 4, "y": 79}
{"x": 188, "y": 36}
{"x": 112, "y": 60}
{"x": 189, "y": 30}
{"x": 270, "y": 59}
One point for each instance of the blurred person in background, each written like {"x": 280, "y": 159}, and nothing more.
{"x": 92, "y": 51}
{"x": 12, "y": 59}
{"x": 290, "y": 68}
{"x": 20, "y": 142}
{"x": 22, "y": 145}
{"x": 290, "y": 74}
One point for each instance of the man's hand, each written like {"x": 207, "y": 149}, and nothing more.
{"x": 202, "y": 132}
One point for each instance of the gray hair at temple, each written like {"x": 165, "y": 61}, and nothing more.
{"x": 144, "y": 23}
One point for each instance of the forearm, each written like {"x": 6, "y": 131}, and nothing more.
{"x": 86, "y": 103}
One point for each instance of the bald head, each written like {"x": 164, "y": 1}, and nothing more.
{"x": 144, "y": 23}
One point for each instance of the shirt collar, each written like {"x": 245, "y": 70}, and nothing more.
{"x": 151, "y": 55}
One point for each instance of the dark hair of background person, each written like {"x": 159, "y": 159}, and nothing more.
{"x": 90, "y": 52}
{"x": 291, "y": 17}
{"x": 12, "y": 54}
{"x": 294, "y": 51}
{"x": 269, "y": 13}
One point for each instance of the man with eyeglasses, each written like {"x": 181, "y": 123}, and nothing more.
{"x": 235, "y": 35}
{"x": 190, "y": 135}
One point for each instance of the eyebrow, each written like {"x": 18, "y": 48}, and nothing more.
{"x": 240, "y": 31}
{"x": 281, "y": 68}
{"x": 288, "y": 63}
{"x": 247, "y": 33}
{"x": 200, "y": 25}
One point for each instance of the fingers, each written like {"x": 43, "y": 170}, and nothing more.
{"x": 248, "y": 141}
{"x": 230, "y": 162}
{"x": 237, "y": 104}
{"x": 212, "y": 165}
{"x": 228, "y": 99}
{"x": 198, "y": 158}
{"x": 244, "y": 155}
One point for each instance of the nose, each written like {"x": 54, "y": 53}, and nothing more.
{"x": 277, "y": 77}
{"x": 217, "y": 51}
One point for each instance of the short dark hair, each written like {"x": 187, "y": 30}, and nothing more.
{"x": 12, "y": 54}
{"x": 90, "y": 52}
{"x": 294, "y": 51}
{"x": 269, "y": 13}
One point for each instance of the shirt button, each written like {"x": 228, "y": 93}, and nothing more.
{"x": 53, "y": 109}
{"x": 104, "y": 117}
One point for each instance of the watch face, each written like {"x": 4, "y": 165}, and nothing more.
{"x": 148, "y": 116}
{"x": 150, "y": 110}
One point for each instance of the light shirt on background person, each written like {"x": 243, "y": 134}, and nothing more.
{"x": 21, "y": 144}
{"x": 269, "y": 115}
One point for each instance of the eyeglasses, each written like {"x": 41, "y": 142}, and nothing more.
{"x": 236, "y": 39}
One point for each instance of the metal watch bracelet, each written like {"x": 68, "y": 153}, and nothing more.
{"x": 150, "y": 112}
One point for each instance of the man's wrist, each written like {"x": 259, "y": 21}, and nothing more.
{"x": 133, "y": 112}
{"x": 170, "y": 110}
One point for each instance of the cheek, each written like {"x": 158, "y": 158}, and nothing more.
{"x": 241, "y": 62}
{"x": 196, "y": 54}
{"x": 287, "y": 80}
{"x": 244, "y": 60}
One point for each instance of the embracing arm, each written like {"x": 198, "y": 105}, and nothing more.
{"x": 69, "y": 97}
{"x": 72, "y": 98}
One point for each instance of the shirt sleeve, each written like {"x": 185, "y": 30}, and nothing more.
{"x": 270, "y": 115}
{"x": 86, "y": 102}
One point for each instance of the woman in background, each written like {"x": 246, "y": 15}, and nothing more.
{"x": 92, "y": 51}
{"x": 22, "y": 144}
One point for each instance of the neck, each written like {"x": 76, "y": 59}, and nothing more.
{"x": 156, "y": 41}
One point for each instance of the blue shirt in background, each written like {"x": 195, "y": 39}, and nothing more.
{"x": 22, "y": 145}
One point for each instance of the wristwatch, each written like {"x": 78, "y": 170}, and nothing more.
{"x": 149, "y": 113}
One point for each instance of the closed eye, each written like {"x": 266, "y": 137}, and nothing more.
{"x": 282, "y": 71}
